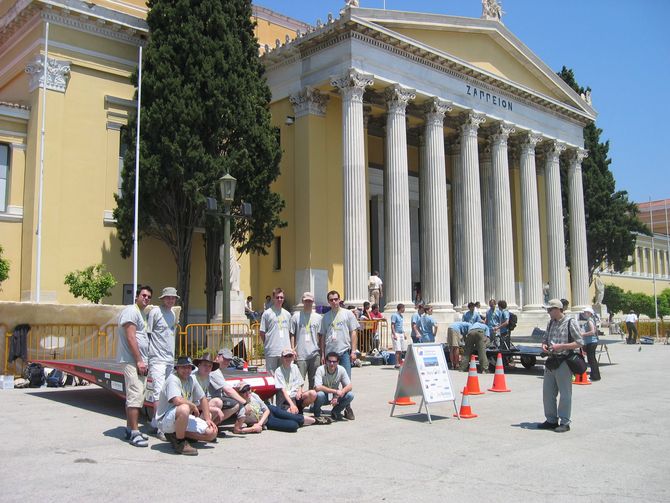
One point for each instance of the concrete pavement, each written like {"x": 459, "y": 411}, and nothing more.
{"x": 65, "y": 445}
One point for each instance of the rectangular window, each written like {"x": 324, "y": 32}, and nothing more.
{"x": 4, "y": 177}
{"x": 123, "y": 147}
{"x": 276, "y": 257}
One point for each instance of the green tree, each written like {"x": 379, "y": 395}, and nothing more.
{"x": 204, "y": 113}
{"x": 614, "y": 298}
{"x": 611, "y": 219}
{"x": 93, "y": 283}
{"x": 4, "y": 267}
{"x": 664, "y": 303}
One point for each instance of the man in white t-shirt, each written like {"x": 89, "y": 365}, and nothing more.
{"x": 223, "y": 395}
{"x": 304, "y": 332}
{"x": 274, "y": 330}
{"x": 631, "y": 327}
{"x": 178, "y": 413}
{"x": 375, "y": 286}
{"x": 289, "y": 383}
{"x": 332, "y": 386}
{"x": 133, "y": 351}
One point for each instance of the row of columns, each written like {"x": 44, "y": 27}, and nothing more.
{"x": 473, "y": 278}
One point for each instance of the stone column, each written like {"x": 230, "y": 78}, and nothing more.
{"x": 487, "y": 220}
{"x": 555, "y": 237}
{"x": 472, "y": 249}
{"x": 351, "y": 86}
{"x": 435, "y": 281}
{"x": 530, "y": 223}
{"x": 458, "y": 297}
{"x": 579, "y": 269}
{"x": 397, "y": 253}
{"x": 503, "y": 248}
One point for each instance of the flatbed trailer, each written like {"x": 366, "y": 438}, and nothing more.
{"x": 528, "y": 356}
{"x": 108, "y": 374}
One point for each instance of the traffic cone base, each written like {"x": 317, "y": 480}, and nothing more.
{"x": 466, "y": 410}
{"x": 403, "y": 400}
{"x": 472, "y": 385}
{"x": 499, "y": 384}
{"x": 582, "y": 380}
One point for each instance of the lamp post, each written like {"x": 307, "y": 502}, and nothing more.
{"x": 227, "y": 187}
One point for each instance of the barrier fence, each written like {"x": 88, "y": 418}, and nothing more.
{"x": 374, "y": 334}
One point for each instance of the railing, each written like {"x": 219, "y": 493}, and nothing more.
{"x": 244, "y": 341}
{"x": 374, "y": 334}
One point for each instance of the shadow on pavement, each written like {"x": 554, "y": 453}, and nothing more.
{"x": 527, "y": 426}
{"x": 420, "y": 417}
{"x": 94, "y": 400}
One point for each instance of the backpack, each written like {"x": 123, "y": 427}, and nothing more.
{"x": 513, "y": 319}
{"x": 35, "y": 374}
{"x": 56, "y": 379}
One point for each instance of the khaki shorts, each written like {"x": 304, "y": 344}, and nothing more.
{"x": 136, "y": 386}
{"x": 453, "y": 338}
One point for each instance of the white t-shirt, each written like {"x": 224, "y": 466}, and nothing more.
{"x": 276, "y": 327}
{"x": 374, "y": 283}
{"x": 289, "y": 379}
{"x": 305, "y": 327}
{"x": 132, "y": 314}
{"x": 218, "y": 383}
{"x": 337, "y": 328}
{"x": 630, "y": 318}
{"x": 334, "y": 380}
{"x": 174, "y": 387}
{"x": 162, "y": 324}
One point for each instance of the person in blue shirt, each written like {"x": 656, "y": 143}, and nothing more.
{"x": 476, "y": 339}
{"x": 398, "y": 334}
{"x": 472, "y": 315}
{"x": 501, "y": 321}
{"x": 428, "y": 325}
{"x": 455, "y": 333}
{"x": 491, "y": 313}
{"x": 416, "y": 323}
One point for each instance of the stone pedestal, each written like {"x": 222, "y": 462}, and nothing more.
{"x": 237, "y": 299}
{"x": 601, "y": 311}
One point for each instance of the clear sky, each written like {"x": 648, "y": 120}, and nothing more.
{"x": 621, "y": 49}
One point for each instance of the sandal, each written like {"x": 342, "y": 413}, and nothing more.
{"x": 138, "y": 441}
{"x": 129, "y": 434}
{"x": 322, "y": 420}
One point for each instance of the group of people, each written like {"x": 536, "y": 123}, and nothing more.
{"x": 192, "y": 397}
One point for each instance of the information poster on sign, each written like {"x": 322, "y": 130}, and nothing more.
{"x": 433, "y": 373}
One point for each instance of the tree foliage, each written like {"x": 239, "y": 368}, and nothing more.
{"x": 619, "y": 301}
{"x": 93, "y": 283}
{"x": 4, "y": 267}
{"x": 204, "y": 113}
{"x": 611, "y": 219}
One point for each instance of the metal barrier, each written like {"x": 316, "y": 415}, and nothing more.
{"x": 242, "y": 340}
{"x": 374, "y": 334}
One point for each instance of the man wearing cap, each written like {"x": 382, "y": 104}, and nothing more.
{"x": 333, "y": 385}
{"x": 561, "y": 338}
{"x": 304, "y": 332}
{"x": 133, "y": 351}
{"x": 274, "y": 330}
{"x": 205, "y": 366}
{"x": 223, "y": 395}
{"x": 162, "y": 322}
{"x": 289, "y": 383}
{"x": 179, "y": 406}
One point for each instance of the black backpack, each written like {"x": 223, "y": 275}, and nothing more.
{"x": 56, "y": 379}
{"x": 35, "y": 374}
{"x": 513, "y": 319}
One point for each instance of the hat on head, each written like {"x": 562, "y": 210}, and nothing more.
{"x": 588, "y": 310}
{"x": 555, "y": 303}
{"x": 169, "y": 291}
{"x": 308, "y": 296}
{"x": 287, "y": 351}
{"x": 242, "y": 386}
{"x": 207, "y": 357}
{"x": 184, "y": 361}
{"x": 225, "y": 353}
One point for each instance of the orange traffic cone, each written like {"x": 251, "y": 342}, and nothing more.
{"x": 499, "y": 384}
{"x": 245, "y": 367}
{"x": 403, "y": 400}
{"x": 466, "y": 410}
{"x": 473, "y": 380}
{"x": 582, "y": 380}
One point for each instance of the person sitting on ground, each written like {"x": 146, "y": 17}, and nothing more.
{"x": 416, "y": 323}
{"x": 257, "y": 415}
{"x": 223, "y": 395}
{"x": 332, "y": 385}
{"x": 455, "y": 335}
{"x": 476, "y": 338}
{"x": 205, "y": 365}
{"x": 289, "y": 383}
{"x": 471, "y": 315}
{"x": 178, "y": 415}
{"x": 398, "y": 334}
{"x": 249, "y": 312}
{"x": 428, "y": 325}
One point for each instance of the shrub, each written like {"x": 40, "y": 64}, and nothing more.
{"x": 93, "y": 283}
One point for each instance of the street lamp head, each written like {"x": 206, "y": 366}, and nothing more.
{"x": 227, "y": 187}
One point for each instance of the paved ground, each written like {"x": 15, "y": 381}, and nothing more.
{"x": 65, "y": 445}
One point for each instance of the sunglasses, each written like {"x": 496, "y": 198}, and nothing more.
{"x": 333, "y": 361}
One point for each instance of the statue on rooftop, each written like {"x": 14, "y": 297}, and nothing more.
{"x": 352, "y": 3}
{"x": 492, "y": 9}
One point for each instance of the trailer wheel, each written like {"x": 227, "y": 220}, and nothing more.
{"x": 528, "y": 362}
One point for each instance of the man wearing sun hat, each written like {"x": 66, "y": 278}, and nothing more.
{"x": 161, "y": 323}
{"x": 206, "y": 366}
{"x": 304, "y": 333}
{"x": 178, "y": 413}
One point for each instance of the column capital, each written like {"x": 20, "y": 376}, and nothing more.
{"x": 554, "y": 149}
{"x": 352, "y": 84}
{"x": 58, "y": 74}
{"x": 471, "y": 122}
{"x": 397, "y": 97}
{"x": 309, "y": 101}
{"x": 576, "y": 157}
{"x": 500, "y": 133}
{"x": 435, "y": 109}
{"x": 528, "y": 142}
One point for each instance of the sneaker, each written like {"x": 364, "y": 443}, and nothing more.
{"x": 562, "y": 428}
{"x": 349, "y": 414}
{"x": 322, "y": 420}
{"x": 337, "y": 416}
{"x": 161, "y": 436}
{"x": 183, "y": 447}
{"x": 547, "y": 426}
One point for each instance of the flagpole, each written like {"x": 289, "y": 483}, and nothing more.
{"x": 137, "y": 172}
{"x": 653, "y": 265}
{"x": 38, "y": 268}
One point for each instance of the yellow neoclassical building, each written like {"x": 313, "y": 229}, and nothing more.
{"x": 423, "y": 146}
